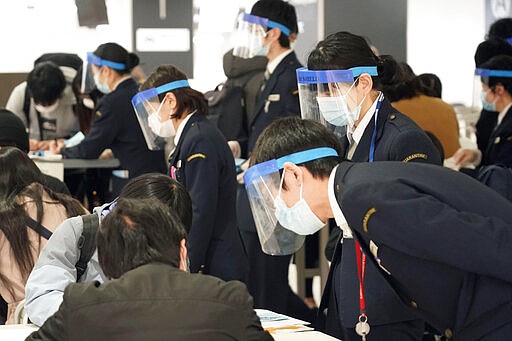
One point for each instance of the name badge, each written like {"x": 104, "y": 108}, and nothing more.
{"x": 274, "y": 97}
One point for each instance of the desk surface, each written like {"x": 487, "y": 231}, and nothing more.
{"x": 92, "y": 163}
{"x": 15, "y": 332}
{"x": 305, "y": 336}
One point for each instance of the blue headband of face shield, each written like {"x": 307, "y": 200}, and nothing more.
{"x": 254, "y": 19}
{"x": 305, "y": 76}
{"x": 154, "y": 92}
{"x": 95, "y": 60}
{"x": 493, "y": 73}
{"x": 273, "y": 166}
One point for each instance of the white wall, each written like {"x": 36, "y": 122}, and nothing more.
{"x": 33, "y": 27}
{"x": 442, "y": 36}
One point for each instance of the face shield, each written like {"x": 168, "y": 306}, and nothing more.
{"x": 249, "y": 35}
{"x": 482, "y": 94}
{"x": 330, "y": 97}
{"x": 147, "y": 107}
{"x": 88, "y": 81}
{"x": 263, "y": 183}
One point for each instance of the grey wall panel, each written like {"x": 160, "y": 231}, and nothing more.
{"x": 384, "y": 23}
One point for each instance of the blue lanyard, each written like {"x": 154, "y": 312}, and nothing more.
{"x": 374, "y": 135}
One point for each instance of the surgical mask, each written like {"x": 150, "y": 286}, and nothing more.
{"x": 336, "y": 111}
{"x": 299, "y": 218}
{"x": 261, "y": 50}
{"x": 163, "y": 129}
{"x": 489, "y": 106}
{"x": 47, "y": 109}
{"x": 102, "y": 87}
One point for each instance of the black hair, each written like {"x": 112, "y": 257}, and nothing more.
{"x": 501, "y": 29}
{"x": 45, "y": 83}
{"x": 344, "y": 50}
{"x": 430, "y": 85}
{"x": 12, "y": 131}
{"x": 291, "y": 135}
{"x": 281, "y": 12}
{"x": 138, "y": 232}
{"x": 116, "y": 53}
{"x": 164, "y": 189}
{"x": 501, "y": 62}
{"x": 403, "y": 84}
{"x": 187, "y": 98}
{"x": 490, "y": 48}
{"x": 20, "y": 178}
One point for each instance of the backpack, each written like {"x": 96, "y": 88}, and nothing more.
{"x": 498, "y": 178}
{"x": 226, "y": 110}
{"x": 87, "y": 242}
{"x": 60, "y": 59}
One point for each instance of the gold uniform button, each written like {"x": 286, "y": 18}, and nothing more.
{"x": 392, "y": 117}
{"x": 414, "y": 305}
{"x": 448, "y": 333}
{"x": 337, "y": 187}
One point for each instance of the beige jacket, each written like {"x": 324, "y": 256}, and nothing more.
{"x": 54, "y": 214}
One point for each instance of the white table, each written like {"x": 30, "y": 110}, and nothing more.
{"x": 18, "y": 332}
{"x": 15, "y": 332}
{"x": 306, "y": 336}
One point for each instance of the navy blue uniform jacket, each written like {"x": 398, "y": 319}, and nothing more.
{"x": 445, "y": 239}
{"x": 204, "y": 164}
{"x": 499, "y": 147}
{"x": 398, "y": 138}
{"x": 280, "y": 98}
{"x": 116, "y": 127}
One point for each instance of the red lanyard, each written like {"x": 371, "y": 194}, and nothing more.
{"x": 361, "y": 266}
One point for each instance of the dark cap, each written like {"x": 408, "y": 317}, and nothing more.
{"x": 13, "y": 131}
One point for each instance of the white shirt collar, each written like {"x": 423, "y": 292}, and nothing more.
{"x": 502, "y": 114}
{"x": 336, "y": 210}
{"x": 181, "y": 127}
{"x": 361, "y": 127}
{"x": 272, "y": 65}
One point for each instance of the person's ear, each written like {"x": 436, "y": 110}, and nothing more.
{"x": 273, "y": 34}
{"x": 293, "y": 175}
{"x": 171, "y": 99}
{"x": 365, "y": 83}
{"x": 499, "y": 90}
{"x": 183, "y": 255}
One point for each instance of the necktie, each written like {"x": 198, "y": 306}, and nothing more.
{"x": 266, "y": 76}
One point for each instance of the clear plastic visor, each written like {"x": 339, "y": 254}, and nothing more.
{"x": 91, "y": 66}
{"x": 329, "y": 97}
{"x": 250, "y": 32}
{"x": 147, "y": 104}
{"x": 481, "y": 90}
{"x": 262, "y": 182}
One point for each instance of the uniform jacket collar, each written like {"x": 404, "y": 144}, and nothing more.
{"x": 192, "y": 120}
{"x": 362, "y": 149}
{"x": 290, "y": 59}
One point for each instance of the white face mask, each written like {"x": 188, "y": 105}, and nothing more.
{"x": 45, "y": 110}
{"x": 336, "y": 111}
{"x": 102, "y": 87}
{"x": 299, "y": 218}
{"x": 163, "y": 129}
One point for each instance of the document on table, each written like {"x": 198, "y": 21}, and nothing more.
{"x": 276, "y": 323}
